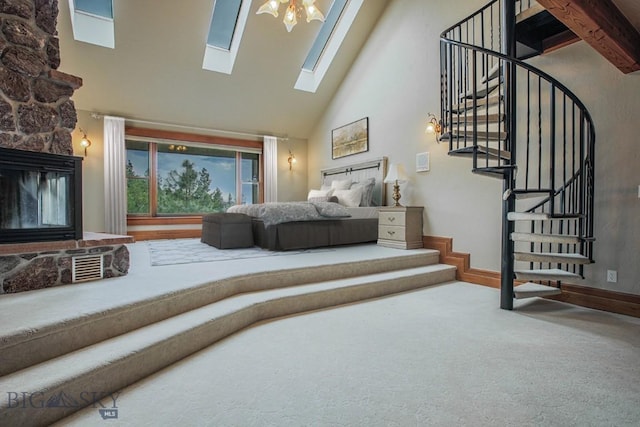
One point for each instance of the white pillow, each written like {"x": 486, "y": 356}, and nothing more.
{"x": 315, "y": 194}
{"x": 341, "y": 184}
{"x": 350, "y": 198}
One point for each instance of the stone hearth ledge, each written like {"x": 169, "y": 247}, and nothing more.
{"x": 89, "y": 239}
{"x": 32, "y": 266}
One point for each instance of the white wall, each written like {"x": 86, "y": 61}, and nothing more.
{"x": 292, "y": 184}
{"x": 92, "y": 171}
{"x": 395, "y": 82}
{"x": 613, "y": 99}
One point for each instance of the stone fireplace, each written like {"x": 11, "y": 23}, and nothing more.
{"x": 42, "y": 243}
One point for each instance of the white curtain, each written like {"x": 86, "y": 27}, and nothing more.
{"x": 115, "y": 180}
{"x": 270, "y": 169}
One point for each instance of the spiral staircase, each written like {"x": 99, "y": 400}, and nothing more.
{"x": 522, "y": 126}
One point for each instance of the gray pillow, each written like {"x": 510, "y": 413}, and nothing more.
{"x": 367, "y": 191}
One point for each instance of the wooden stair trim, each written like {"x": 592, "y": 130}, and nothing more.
{"x": 599, "y": 299}
{"x": 462, "y": 262}
{"x": 559, "y": 41}
{"x": 584, "y": 296}
{"x": 603, "y": 26}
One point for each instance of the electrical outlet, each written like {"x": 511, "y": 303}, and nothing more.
{"x": 612, "y": 276}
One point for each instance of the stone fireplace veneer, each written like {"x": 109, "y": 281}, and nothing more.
{"x": 36, "y": 113}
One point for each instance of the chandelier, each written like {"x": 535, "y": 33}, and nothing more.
{"x": 290, "y": 15}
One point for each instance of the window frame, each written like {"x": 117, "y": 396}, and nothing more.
{"x": 189, "y": 139}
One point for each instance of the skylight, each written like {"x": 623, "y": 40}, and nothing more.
{"x": 223, "y": 23}
{"x": 102, "y": 8}
{"x": 92, "y": 22}
{"x": 228, "y": 19}
{"x": 323, "y": 36}
{"x": 324, "y": 49}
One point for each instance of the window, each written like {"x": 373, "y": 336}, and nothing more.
{"x": 138, "y": 178}
{"x": 176, "y": 178}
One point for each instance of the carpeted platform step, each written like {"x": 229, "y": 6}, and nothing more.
{"x": 24, "y": 348}
{"x": 114, "y": 363}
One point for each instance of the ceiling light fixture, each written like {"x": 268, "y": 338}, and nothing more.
{"x": 290, "y": 15}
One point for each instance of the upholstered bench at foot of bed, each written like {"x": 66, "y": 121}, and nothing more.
{"x": 227, "y": 230}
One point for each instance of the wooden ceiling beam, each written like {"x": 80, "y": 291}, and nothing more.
{"x": 601, "y": 24}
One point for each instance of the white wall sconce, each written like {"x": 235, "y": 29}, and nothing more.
{"x": 291, "y": 160}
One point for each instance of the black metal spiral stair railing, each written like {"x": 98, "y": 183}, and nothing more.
{"x": 521, "y": 125}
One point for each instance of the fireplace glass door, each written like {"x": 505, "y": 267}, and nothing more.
{"x": 38, "y": 197}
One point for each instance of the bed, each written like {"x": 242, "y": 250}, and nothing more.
{"x": 350, "y": 223}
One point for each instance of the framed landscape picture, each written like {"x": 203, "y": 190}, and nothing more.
{"x": 350, "y": 139}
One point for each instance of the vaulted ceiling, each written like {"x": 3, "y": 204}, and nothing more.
{"x": 155, "y": 71}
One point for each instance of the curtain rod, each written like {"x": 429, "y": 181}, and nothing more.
{"x": 174, "y": 125}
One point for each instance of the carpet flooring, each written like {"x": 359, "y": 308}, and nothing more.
{"x": 442, "y": 356}
{"x": 187, "y": 251}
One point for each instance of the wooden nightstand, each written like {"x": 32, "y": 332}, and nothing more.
{"x": 400, "y": 227}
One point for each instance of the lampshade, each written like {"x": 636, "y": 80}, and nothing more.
{"x": 290, "y": 19}
{"x": 313, "y": 13}
{"x": 396, "y": 173}
{"x": 271, "y": 7}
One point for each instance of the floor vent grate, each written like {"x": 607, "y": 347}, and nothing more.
{"x": 87, "y": 268}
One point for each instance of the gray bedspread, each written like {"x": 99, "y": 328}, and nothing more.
{"x": 281, "y": 212}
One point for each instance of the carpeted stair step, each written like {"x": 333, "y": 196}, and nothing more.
{"x": 491, "y": 152}
{"x": 538, "y": 216}
{"x": 29, "y": 346}
{"x": 113, "y": 364}
{"x": 526, "y": 194}
{"x": 554, "y": 258}
{"x": 530, "y": 290}
{"x": 494, "y": 171}
{"x": 534, "y": 9}
{"x": 468, "y": 136}
{"x": 482, "y": 89}
{"x": 544, "y": 238}
{"x": 481, "y": 119}
{"x": 553, "y": 274}
{"x": 479, "y": 102}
